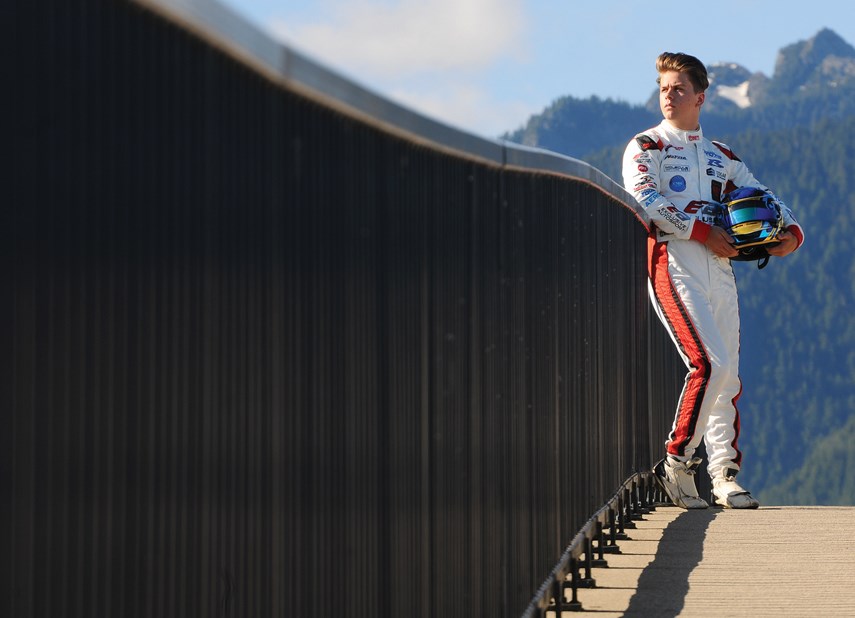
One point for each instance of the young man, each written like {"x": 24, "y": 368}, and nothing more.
{"x": 674, "y": 172}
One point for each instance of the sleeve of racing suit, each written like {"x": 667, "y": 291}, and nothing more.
{"x": 741, "y": 176}
{"x": 641, "y": 164}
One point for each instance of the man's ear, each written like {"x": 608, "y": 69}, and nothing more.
{"x": 701, "y": 98}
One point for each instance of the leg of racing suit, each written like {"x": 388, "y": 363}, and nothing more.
{"x": 694, "y": 294}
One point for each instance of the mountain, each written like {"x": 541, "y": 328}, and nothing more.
{"x": 825, "y": 61}
{"x": 575, "y": 127}
{"x": 733, "y": 87}
{"x": 813, "y": 79}
{"x": 795, "y": 129}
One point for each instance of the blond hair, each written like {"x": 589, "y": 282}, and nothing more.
{"x": 684, "y": 63}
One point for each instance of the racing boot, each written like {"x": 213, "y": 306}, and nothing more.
{"x": 727, "y": 492}
{"x": 678, "y": 481}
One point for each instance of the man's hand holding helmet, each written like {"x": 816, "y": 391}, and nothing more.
{"x": 788, "y": 244}
{"x": 721, "y": 243}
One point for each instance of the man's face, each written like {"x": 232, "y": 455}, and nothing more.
{"x": 679, "y": 102}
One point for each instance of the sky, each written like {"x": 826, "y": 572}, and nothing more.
{"x": 486, "y": 66}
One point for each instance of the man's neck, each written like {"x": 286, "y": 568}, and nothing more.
{"x": 696, "y": 126}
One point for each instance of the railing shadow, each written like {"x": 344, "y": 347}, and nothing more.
{"x": 664, "y": 583}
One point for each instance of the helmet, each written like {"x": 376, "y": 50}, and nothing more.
{"x": 753, "y": 219}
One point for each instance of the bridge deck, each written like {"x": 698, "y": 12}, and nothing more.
{"x": 774, "y": 561}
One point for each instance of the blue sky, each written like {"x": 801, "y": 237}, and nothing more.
{"x": 487, "y": 65}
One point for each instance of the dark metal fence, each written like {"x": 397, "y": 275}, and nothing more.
{"x": 261, "y": 358}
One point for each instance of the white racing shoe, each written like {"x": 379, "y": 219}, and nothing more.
{"x": 727, "y": 492}
{"x": 678, "y": 481}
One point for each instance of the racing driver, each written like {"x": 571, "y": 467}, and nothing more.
{"x": 675, "y": 172}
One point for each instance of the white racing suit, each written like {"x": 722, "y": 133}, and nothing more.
{"x": 673, "y": 174}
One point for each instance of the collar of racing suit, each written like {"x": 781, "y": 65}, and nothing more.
{"x": 685, "y": 136}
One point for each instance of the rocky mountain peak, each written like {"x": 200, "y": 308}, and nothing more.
{"x": 731, "y": 85}
{"x": 821, "y": 60}
{"x": 727, "y": 74}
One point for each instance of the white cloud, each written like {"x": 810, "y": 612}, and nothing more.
{"x": 436, "y": 57}
{"x": 467, "y": 107}
{"x": 385, "y": 40}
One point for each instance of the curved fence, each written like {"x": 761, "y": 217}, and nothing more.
{"x": 272, "y": 346}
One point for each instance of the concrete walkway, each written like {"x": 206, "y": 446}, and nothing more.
{"x": 774, "y": 561}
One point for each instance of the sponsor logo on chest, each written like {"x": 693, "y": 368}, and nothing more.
{"x": 676, "y": 168}
{"x": 677, "y": 183}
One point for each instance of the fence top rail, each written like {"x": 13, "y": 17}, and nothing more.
{"x": 224, "y": 29}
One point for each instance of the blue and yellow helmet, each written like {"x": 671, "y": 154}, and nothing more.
{"x": 753, "y": 219}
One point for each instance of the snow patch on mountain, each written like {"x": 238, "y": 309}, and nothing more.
{"x": 737, "y": 94}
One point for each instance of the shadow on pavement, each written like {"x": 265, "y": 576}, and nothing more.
{"x": 664, "y": 583}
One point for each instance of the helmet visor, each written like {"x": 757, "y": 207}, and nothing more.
{"x": 747, "y": 212}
